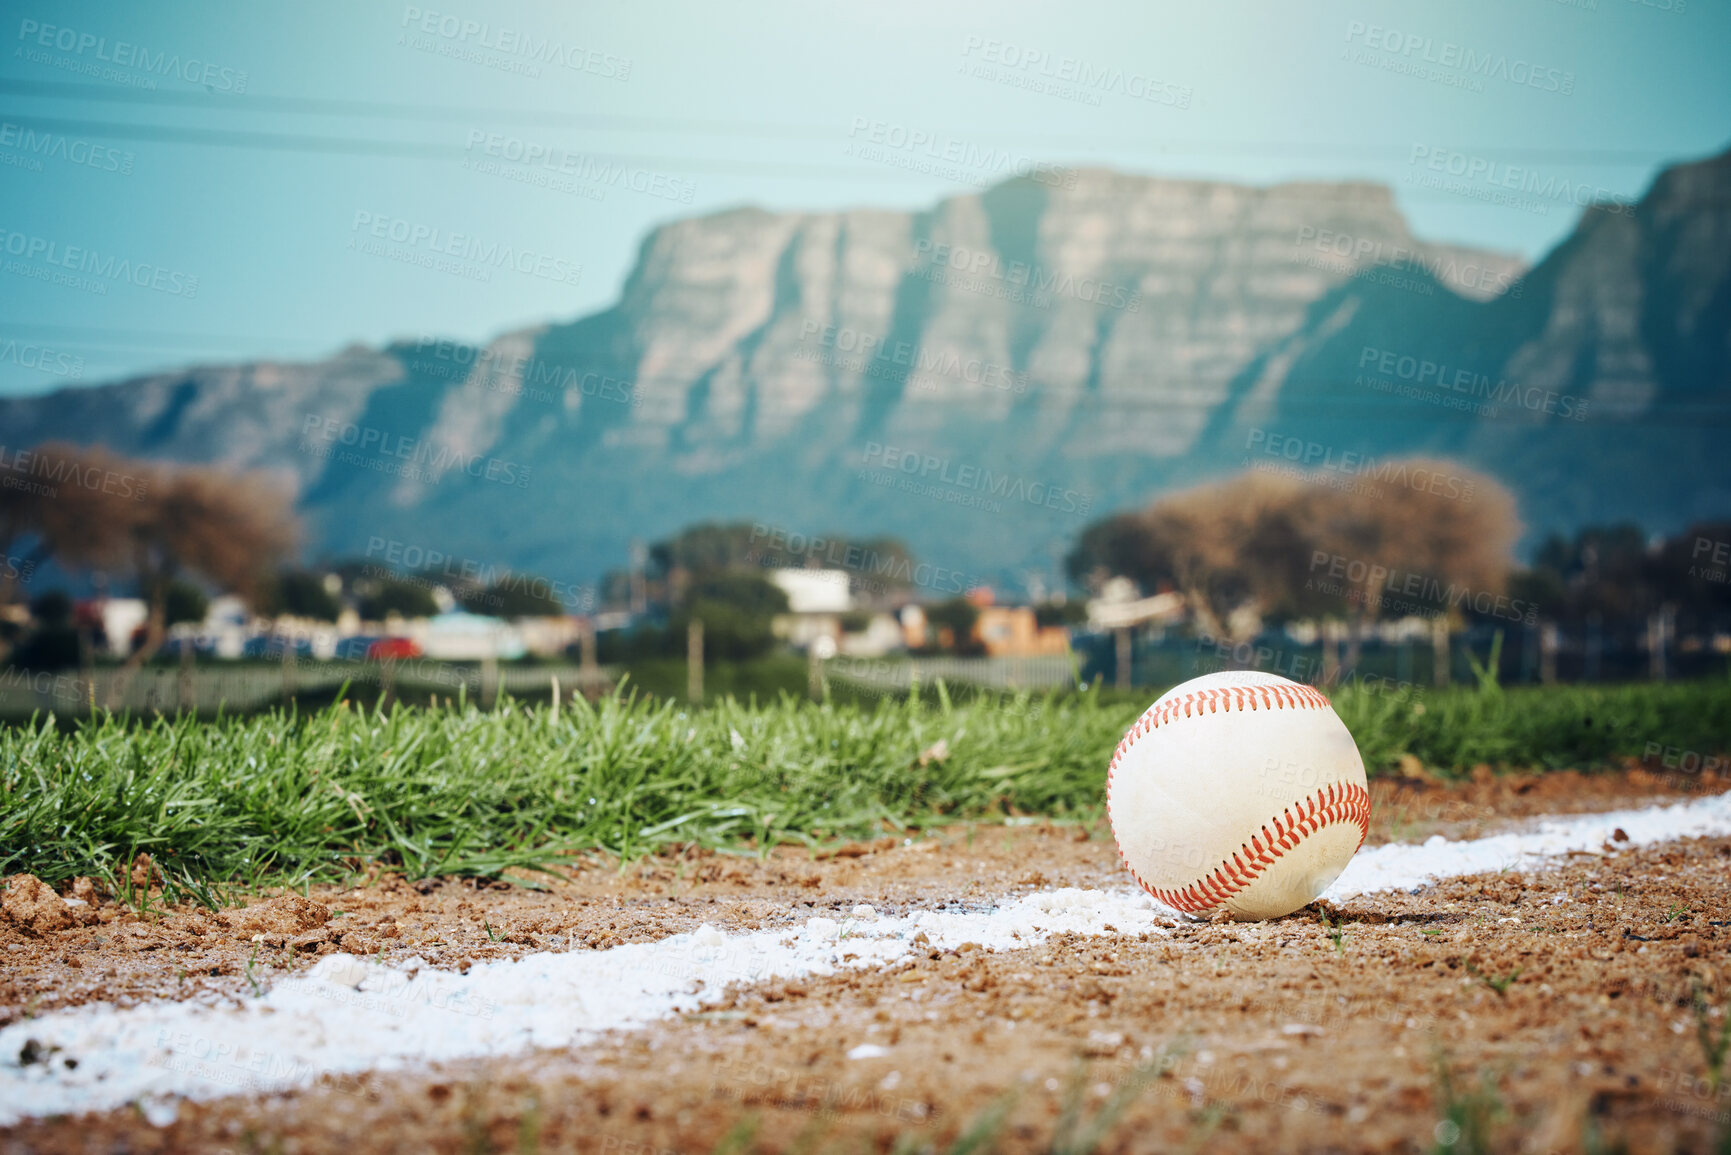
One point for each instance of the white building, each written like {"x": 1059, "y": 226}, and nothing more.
{"x": 814, "y": 591}
{"x": 882, "y": 635}
{"x": 121, "y": 616}
{"x": 464, "y": 637}
{"x": 816, "y": 599}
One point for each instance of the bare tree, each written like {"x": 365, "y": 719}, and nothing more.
{"x": 1261, "y": 542}
{"x": 1225, "y": 546}
{"x": 1400, "y": 542}
{"x": 20, "y": 521}
{"x": 1111, "y": 547}
{"x": 68, "y": 503}
{"x": 230, "y": 529}
{"x": 87, "y": 507}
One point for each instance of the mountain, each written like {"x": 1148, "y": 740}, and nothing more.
{"x": 983, "y": 378}
{"x": 1602, "y": 384}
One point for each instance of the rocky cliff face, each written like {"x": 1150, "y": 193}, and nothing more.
{"x": 983, "y": 378}
{"x": 1598, "y": 390}
{"x": 1109, "y": 317}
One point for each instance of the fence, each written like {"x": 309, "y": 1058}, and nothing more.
{"x": 243, "y": 688}
{"x": 1049, "y": 672}
{"x": 1525, "y": 658}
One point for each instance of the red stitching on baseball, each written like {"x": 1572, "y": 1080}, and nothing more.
{"x": 1351, "y": 804}
{"x": 1347, "y": 802}
{"x": 1296, "y": 697}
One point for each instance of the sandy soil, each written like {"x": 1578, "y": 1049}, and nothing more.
{"x": 1294, "y": 1034}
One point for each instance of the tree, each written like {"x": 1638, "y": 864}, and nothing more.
{"x": 957, "y": 615}
{"x": 1404, "y": 549}
{"x": 1693, "y": 572}
{"x": 737, "y": 611}
{"x": 185, "y": 602}
{"x": 1223, "y": 545}
{"x": 69, "y": 504}
{"x": 751, "y": 593}
{"x": 88, "y": 507}
{"x": 299, "y": 593}
{"x": 1296, "y": 545}
{"x": 387, "y": 596}
{"x": 224, "y": 527}
{"x": 1606, "y": 571}
{"x": 520, "y": 596}
{"x": 1067, "y": 613}
{"x": 52, "y": 643}
{"x": 729, "y": 632}
{"x": 703, "y": 551}
{"x": 1115, "y": 546}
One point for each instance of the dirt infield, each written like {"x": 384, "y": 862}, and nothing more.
{"x": 1569, "y": 990}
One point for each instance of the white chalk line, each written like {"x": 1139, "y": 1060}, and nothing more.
{"x": 347, "y": 1016}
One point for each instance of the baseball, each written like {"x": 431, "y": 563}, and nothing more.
{"x": 1240, "y": 791}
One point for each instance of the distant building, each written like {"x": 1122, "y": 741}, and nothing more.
{"x": 882, "y": 635}
{"x": 1002, "y": 631}
{"x": 121, "y": 618}
{"x": 814, "y": 591}
{"x": 816, "y": 600}
{"x": 226, "y": 626}
{"x": 913, "y": 627}
{"x": 1014, "y": 632}
{"x": 466, "y": 637}
{"x": 551, "y": 635}
{"x": 1118, "y": 607}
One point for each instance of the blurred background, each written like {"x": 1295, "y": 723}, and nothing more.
{"x": 442, "y": 352}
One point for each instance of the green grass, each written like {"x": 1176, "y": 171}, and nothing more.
{"x": 1500, "y": 985}
{"x": 1075, "y": 1131}
{"x": 1715, "y": 1042}
{"x": 1465, "y": 1118}
{"x": 284, "y": 798}
{"x": 1536, "y": 727}
{"x": 766, "y": 677}
{"x": 288, "y": 798}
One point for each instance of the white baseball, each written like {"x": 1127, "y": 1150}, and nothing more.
{"x": 1241, "y": 791}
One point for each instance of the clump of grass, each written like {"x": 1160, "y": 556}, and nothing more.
{"x": 1336, "y": 930}
{"x": 1464, "y": 1119}
{"x": 981, "y": 1133}
{"x": 1595, "y": 1142}
{"x": 741, "y": 1138}
{"x": 291, "y": 798}
{"x": 257, "y": 989}
{"x": 1715, "y": 1043}
{"x": 1546, "y": 727}
{"x": 287, "y": 798}
{"x": 1075, "y": 1133}
{"x": 1500, "y": 985}
{"x": 476, "y": 1140}
{"x": 529, "y": 1127}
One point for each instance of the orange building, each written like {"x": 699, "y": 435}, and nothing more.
{"x": 1013, "y": 632}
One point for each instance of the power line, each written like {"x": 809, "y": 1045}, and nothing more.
{"x": 387, "y": 110}
{"x": 864, "y": 171}
{"x": 143, "y": 338}
{"x": 357, "y": 146}
{"x": 620, "y": 122}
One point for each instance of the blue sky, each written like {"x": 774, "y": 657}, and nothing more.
{"x": 227, "y": 167}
